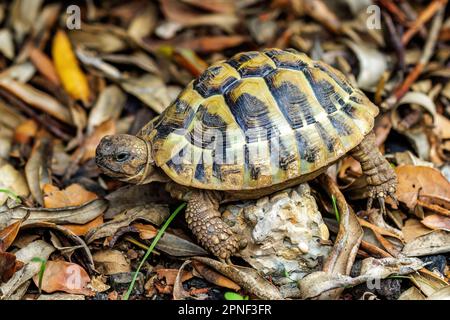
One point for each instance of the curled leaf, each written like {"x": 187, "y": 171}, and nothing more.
{"x": 248, "y": 278}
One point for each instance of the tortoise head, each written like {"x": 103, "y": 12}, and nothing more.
{"x": 124, "y": 157}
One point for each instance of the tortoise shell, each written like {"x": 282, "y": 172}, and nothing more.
{"x": 257, "y": 120}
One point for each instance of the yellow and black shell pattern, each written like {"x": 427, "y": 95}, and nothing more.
{"x": 259, "y": 119}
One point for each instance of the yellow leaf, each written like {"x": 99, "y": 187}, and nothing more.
{"x": 72, "y": 77}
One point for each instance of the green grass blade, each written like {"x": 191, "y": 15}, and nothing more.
{"x": 41, "y": 270}
{"x": 336, "y": 211}
{"x": 11, "y": 194}
{"x": 150, "y": 249}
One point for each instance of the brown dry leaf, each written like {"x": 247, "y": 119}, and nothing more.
{"x": 13, "y": 180}
{"x": 109, "y": 105}
{"x": 8, "y": 266}
{"x": 110, "y": 262}
{"x": 418, "y": 181}
{"x": 8, "y": 234}
{"x": 45, "y": 66}
{"x": 350, "y": 169}
{"x": 436, "y": 221}
{"x": 150, "y": 89}
{"x": 146, "y": 231}
{"x": 90, "y": 144}
{"x": 38, "y": 99}
{"x": 143, "y": 23}
{"x": 248, "y": 278}
{"x": 178, "y": 12}
{"x": 64, "y": 276}
{"x": 82, "y": 230}
{"x": 73, "y": 195}
{"x": 154, "y": 213}
{"x": 77, "y": 215}
{"x": 25, "y": 131}
{"x": 413, "y": 229}
{"x": 66, "y": 64}
{"x": 213, "y": 43}
{"x": 319, "y": 11}
{"x": 100, "y": 37}
{"x": 170, "y": 275}
{"x": 37, "y": 249}
{"x": 223, "y": 6}
{"x": 214, "y": 277}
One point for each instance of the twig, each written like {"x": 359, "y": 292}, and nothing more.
{"x": 423, "y": 18}
{"x": 394, "y": 10}
{"x": 395, "y": 40}
{"x": 428, "y": 51}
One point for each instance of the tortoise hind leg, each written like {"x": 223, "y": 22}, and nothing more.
{"x": 380, "y": 176}
{"x": 204, "y": 219}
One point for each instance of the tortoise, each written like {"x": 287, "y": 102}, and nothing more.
{"x": 247, "y": 127}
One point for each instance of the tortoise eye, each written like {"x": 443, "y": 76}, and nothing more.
{"x": 122, "y": 156}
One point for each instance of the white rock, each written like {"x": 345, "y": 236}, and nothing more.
{"x": 285, "y": 233}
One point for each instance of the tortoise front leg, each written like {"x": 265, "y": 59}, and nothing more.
{"x": 204, "y": 219}
{"x": 380, "y": 176}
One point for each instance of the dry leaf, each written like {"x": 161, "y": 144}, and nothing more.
{"x": 38, "y": 99}
{"x": 109, "y": 105}
{"x": 25, "y": 131}
{"x": 110, "y": 262}
{"x": 170, "y": 275}
{"x": 415, "y": 182}
{"x": 44, "y": 65}
{"x": 8, "y": 266}
{"x": 64, "y": 276}
{"x": 178, "y": 12}
{"x": 8, "y": 235}
{"x": 82, "y": 230}
{"x": 146, "y": 231}
{"x": 413, "y": 229}
{"x": 66, "y": 64}
{"x": 431, "y": 243}
{"x": 37, "y": 249}
{"x": 154, "y": 213}
{"x": 37, "y": 170}
{"x": 77, "y": 215}
{"x": 248, "y": 278}
{"x": 12, "y": 180}
{"x": 436, "y": 221}
{"x": 74, "y": 195}
{"x": 214, "y": 277}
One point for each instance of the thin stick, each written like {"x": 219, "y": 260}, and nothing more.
{"x": 394, "y": 10}
{"x": 423, "y": 18}
{"x": 428, "y": 51}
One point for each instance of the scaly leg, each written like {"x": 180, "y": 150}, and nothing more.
{"x": 380, "y": 176}
{"x": 204, "y": 219}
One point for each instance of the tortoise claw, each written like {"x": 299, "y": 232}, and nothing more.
{"x": 386, "y": 189}
{"x": 369, "y": 202}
